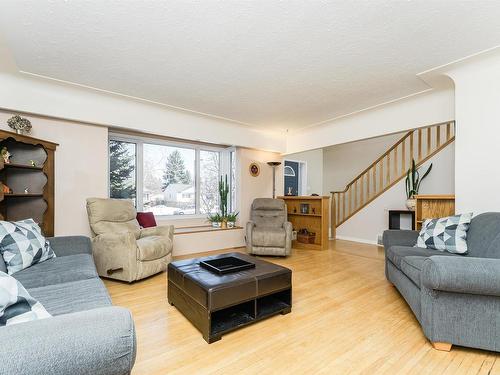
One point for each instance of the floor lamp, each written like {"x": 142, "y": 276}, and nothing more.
{"x": 274, "y": 164}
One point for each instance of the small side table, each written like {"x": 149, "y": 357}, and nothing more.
{"x": 395, "y": 218}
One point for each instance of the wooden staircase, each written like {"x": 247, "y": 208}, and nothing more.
{"x": 390, "y": 168}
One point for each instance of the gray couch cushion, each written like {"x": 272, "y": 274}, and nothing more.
{"x": 268, "y": 237}
{"x": 396, "y": 253}
{"x": 412, "y": 266}
{"x": 58, "y": 270}
{"x": 483, "y": 237}
{"x": 73, "y": 296}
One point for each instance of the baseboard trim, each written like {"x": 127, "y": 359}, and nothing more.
{"x": 355, "y": 239}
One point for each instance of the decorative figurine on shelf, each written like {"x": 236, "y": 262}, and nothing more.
{"x": 26, "y": 190}
{"x": 6, "y": 155}
{"x": 295, "y": 210}
{"x": 20, "y": 124}
{"x": 313, "y": 210}
{"x": 33, "y": 163}
{"x": 290, "y": 192}
{"x": 6, "y": 189}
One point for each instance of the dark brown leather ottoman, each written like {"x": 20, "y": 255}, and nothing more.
{"x": 217, "y": 304}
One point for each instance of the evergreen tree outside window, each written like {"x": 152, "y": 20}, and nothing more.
{"x": 122, "y": 170}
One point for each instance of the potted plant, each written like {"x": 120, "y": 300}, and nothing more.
{"x": 231, "y": 219}
{"x": 413, "y": 181}
{"x": 215, "y": 220}
{"x": 223, "y": 193}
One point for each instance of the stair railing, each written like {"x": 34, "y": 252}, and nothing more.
{"x": 419, "y": 144}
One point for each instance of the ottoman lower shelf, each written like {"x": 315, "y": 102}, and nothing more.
{"x": 213, "y": 324}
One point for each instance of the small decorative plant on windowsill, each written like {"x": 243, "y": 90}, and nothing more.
{"x": 231, "y": 219}
{"x": 413, "y": 181}
{"x": 215, "y": 220}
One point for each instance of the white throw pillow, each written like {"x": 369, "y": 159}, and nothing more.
{"x": 445, "y": 234}
{"x": 22, "y": 245}
{"x": 16, "y": 304}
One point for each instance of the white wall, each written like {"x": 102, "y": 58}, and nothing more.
{"x": 344, "y": 162}
{"x": 366, "y": 225}
{"x": 260, "y": 186}
{"x": 81, "y": 168}
{"x": 428, "y": 108}
{"x": 207, "y": 241}
{"x": 52, "y": 98}
{"x": 477, "y": 95}
{"x": 314, "y": 170}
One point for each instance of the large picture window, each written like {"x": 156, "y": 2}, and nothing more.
{"x": 168, "y": 178}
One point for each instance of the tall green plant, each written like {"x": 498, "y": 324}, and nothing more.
{"x": 413, "y": 179}
{"x": 223, "y": 193}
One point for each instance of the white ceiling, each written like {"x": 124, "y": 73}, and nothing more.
{"x": 266, "y": 63}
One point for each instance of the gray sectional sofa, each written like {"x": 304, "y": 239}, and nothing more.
{"x": 86, "y": 335}
{"x": 456, "y": 298}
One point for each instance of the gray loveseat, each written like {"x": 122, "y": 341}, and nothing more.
{"x": 86, "y": 335}
{"x": 456, "y": 298}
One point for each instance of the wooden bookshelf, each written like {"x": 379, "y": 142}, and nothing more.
{"x": 314, "y": 220}
{"x": 21, "y": 174}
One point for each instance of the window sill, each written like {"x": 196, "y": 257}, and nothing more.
{"x": 201, "y": 229}
{"x": 180, "y": 217}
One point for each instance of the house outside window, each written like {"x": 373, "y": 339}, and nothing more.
{"x": 167, "y": 177}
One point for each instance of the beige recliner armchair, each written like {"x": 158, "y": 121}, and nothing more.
{"x": 122, "y": 250}
{"x": 268, "y": 232}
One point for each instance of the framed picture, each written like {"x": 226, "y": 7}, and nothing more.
{"x": 254, "y": 169}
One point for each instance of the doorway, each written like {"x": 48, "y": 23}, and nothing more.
{"x": 294, "y": 174}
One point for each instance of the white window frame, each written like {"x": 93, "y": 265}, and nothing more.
{"x": 139, "y": 141}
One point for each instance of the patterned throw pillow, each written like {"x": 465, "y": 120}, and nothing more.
{"x": 16, "y": 304}
{"x": 22, "y": 245}
{"x": 445, "y": 234}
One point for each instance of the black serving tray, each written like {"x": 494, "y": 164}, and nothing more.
{"x": 226, "y": 265}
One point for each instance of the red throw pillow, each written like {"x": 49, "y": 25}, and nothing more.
{"x": 146, "y": 219}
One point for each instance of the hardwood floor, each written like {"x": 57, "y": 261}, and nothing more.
{"x": 346, "y": 319}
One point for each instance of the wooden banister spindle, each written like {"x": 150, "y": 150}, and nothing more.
{"x": 396, "y": 161}
{"x": 356, "y": 195}
{"x": 419, "y": 144}
{"x": 349, "y": 195}
{"x": 448, "y": 131}
{"x": 411, "y": 147}
{"x": 368, "y": 184}
{"x": 343, "y": 207}
{"x": 438, "y": 136}
{"x": 429, "y": 140}
{"x": 333, "y": 216}
{"x": 403, "y": 156}
{"x": 381, "y": 176}
{"x": 362, "y": 190}
{"x": 374, "y": 179}
{"x": 388, "y": 168}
